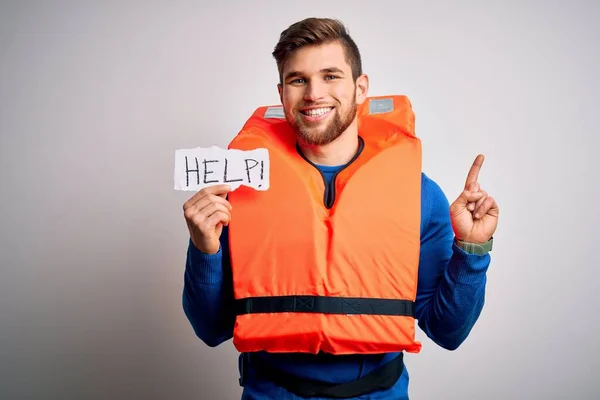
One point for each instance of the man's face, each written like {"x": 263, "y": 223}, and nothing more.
{"x": 318, "y": 94}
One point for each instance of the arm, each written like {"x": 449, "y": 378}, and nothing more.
{"x": 451, "y": 286}
{"x": 208, "y": 293}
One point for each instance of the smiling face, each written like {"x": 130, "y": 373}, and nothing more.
{"x": 318, "y": 93}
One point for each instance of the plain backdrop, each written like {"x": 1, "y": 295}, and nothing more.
{"x": 95, "y": 97}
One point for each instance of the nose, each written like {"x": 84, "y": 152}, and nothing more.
{"x": 314, "y": 91}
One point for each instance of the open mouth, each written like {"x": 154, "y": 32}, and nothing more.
{"x": 316, "y": 114}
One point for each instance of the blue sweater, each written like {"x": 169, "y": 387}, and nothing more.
{"x": 450, "y": 298}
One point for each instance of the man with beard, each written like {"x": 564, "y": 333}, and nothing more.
{"x": 321, "y": 88}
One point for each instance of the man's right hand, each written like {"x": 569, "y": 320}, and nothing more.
{"x": 206, "y": 213}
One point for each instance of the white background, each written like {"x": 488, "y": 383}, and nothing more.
{"x": 95, "y": 97}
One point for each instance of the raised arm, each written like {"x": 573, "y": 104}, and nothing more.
{"x": 451, "y": 288}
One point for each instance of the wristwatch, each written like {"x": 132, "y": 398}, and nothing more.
{"x": 475, "y": 248}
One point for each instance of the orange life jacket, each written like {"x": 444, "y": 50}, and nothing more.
{"x": 333, "y": 272}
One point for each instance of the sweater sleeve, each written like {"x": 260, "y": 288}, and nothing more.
{"x": 451, "y": 287}
{"x": 208, "y": 293}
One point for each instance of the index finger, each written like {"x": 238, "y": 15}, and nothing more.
{"x": 219, "y": 190}
{"x": 474, "y": 171}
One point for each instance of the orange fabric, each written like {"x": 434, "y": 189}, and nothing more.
{"x": 285, "y": 241}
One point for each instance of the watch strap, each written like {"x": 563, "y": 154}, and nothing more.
{"x": 475, "y": 248}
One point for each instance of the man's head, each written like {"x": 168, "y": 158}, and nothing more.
{"x": 321, "y": 79}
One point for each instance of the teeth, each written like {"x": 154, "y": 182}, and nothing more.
{"x": 317, "y": 111}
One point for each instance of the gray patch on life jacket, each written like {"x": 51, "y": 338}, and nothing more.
{"x": 381, "y": 106}
{"x": 274, "y": 112}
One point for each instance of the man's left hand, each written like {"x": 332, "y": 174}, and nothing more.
{"x": 474, "y": 214}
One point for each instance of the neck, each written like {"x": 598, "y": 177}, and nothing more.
{"x": 338, "y": 152}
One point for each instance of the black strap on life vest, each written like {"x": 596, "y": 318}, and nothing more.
{"x": 381, "y": 378}
{"x": 324, "y": 304}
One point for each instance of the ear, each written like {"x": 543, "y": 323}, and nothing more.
{"x": 362, "y": 88}
{"x": 280, "y": 90}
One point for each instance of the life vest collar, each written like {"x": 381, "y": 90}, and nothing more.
{"x": 329, "y": 195}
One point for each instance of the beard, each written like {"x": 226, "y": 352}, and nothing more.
{"x": 322, "y": 135}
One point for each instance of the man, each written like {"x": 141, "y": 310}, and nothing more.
{"x": 321, "y": 86}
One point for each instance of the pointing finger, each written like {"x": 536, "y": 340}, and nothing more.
{"x": 474, "y": 171}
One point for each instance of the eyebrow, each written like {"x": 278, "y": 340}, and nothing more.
{"x": 324, "y": 70}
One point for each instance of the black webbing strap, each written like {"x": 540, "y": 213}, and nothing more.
{"x": 381, "y": 378}
{"x": 324, "y": 304}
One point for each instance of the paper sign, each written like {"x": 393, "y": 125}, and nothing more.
{"x": 201, "y": 167}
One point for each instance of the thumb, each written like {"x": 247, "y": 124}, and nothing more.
{"x": 468, "y": 196}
